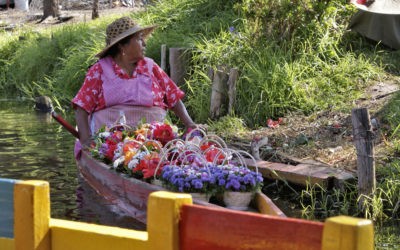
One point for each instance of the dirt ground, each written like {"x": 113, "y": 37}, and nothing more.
{"x": 325, "y": 137}
{"x": 70, "y": 12}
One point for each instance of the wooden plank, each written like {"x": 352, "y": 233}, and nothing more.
{"x": 207, "y": 228}
{"x": 305, "y": 173}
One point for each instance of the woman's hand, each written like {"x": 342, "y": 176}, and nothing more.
{"x": 87, "y": 143}
{"x": 81, "y": 117}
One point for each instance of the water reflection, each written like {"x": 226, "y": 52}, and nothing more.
{"x": 34, "y": 146}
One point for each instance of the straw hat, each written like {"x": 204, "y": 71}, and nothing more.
{"x": 121, "y": 28}
{"x": 378, "y": 6}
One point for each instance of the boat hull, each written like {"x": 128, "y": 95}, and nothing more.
{"x": 130, "y": 195}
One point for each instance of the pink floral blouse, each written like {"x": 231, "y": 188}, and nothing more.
{"x": 90, "y": 97}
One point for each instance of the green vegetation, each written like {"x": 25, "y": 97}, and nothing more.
{"x": 291, "y": 55}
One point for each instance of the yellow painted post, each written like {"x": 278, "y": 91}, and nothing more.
{"x": 32, "y": 215}
{"x": 70, "y": 235}
{"x": 7, "y": 244}
{"x": 348, "y": 233}
{"x": 163, "y": 213}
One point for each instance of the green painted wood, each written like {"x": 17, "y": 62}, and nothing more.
{"x": 7, "y": 207}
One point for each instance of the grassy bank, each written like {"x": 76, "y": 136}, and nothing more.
{"x": 292, "y": 56}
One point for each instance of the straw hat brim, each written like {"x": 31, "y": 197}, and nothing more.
{"x": 146, "y": 31}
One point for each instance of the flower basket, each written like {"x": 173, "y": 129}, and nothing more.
{"x": 235, "y": 180}
{"x": 200, "y": 196}
{"x": 157, "y": 182}
{"x": 189, "y": 173}
{"x": 238, "y": 200}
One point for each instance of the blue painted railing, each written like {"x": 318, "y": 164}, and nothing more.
{"x": 7, "y": 207}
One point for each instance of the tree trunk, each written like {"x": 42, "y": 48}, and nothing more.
{"x": 50, "y": 8}
{"x": 95, "y": 11}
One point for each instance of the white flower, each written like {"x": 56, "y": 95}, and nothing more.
{"x": 104, "y": 135}
{"x": 133, "y": 163}
{"x": 118, "y": 161}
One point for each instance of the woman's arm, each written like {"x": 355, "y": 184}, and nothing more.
{"x": 81, "y": 117}
{"x": 180, "y": 110}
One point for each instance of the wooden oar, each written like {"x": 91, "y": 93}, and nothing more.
{"x": 65, "y": 124}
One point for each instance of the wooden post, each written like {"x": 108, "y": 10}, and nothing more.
{"x": 163, "y": 63}
{"x": 95, "y": 9}
{"x": 233, "y": 76}
{"x": 210, "y": 73}
{"x": 178, "y": 61}
{"x": 163, "y": 227}
{"x": 363, "y": 140}
{"x": 32, "y": 215}
{"x": 347, "y": 233}
{"x": 218, "y": 92}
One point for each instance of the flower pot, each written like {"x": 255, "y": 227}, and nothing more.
{"x": 237, "y": 200}
{"x": 156, "y": 182}
{"x": 200, "y": 196}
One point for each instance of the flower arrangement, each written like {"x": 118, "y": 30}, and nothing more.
{"x": 189, "y": 179}
{"x": 106, "y": 142}
{"x": 200, "y": 164}
{"x": 134, "y": 151}
{"x": 236, "y": 178}
{"x": 159, "y": 131}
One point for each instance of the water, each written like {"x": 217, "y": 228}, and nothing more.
{"x": 34, "y": 146}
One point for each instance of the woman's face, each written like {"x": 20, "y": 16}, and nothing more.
{"x": 135, "y": 48}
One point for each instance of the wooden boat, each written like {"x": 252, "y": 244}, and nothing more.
{"x": 130, "y": 195}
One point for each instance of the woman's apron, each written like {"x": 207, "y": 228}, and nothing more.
{"x": 132, "y": 97}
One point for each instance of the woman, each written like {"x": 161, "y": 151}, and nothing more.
{"x": 125, "y": 81}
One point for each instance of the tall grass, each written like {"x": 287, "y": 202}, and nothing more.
{"x": 290, "y": 57}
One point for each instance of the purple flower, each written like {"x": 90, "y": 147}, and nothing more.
{"x": 188, "y": 178}
{"x": 236, "y": 178}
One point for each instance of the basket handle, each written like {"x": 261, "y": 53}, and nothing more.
{"x": 197, "y": 129}
{"x": 182, "y": 155}
{"x": 214, "y": 138}
{"x": 230, "y": 152}
{"x": 174, "y": 143}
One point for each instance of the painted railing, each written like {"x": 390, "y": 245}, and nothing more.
{"x": 173, "y": 223}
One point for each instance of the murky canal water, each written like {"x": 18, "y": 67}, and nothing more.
{"x": 34, "y": 146}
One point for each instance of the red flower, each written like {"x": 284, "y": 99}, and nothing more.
{"x": 163, "y": 133}
{"x": 274, "y": 124}
{"x": 130, "y": 146}
{"x": 148, "y": 165}
{"x": 111, "y": 146}
{"x": 212, "y": 153}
